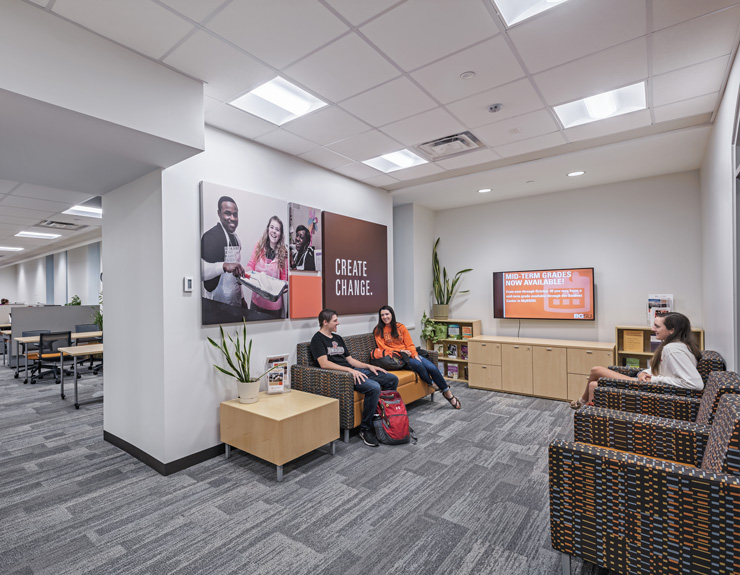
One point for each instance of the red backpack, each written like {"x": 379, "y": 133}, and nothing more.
{"x": 391, "y": 421}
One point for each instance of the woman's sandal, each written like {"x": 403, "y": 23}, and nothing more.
{"x": 576, "y": 404}
{"x": 456, "y": 404}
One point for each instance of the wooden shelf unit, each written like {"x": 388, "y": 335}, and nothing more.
{"x": 646, "y": 352}
{"x": 445, "y": 358}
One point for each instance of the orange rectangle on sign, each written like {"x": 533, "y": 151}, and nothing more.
{"x": 305, "y": 296}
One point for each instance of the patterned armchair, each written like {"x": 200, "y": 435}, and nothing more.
{"x": 710, "y": 361}
{"x": 671, "y": 406}
{"x": 642, "y": 515}
{"x": 340, "y": 385}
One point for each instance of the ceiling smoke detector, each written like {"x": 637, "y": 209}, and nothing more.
{"x": 450, "y": 146}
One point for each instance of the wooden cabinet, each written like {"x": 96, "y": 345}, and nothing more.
{"x": 454, "y": 352}
{"x": 555, "y": 369}
{"x": 634, "y": 345}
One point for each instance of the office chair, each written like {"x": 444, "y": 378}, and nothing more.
{"x": 48, "y": 354}
{"x": 83, "y": 328}
{"x": 31, "y": 350}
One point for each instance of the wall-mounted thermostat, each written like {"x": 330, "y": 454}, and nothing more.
{"x": 187, "y": 284}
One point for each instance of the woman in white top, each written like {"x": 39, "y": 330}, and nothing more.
{"x": 674, "y": 362}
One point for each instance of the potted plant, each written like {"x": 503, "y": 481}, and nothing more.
{"x": 431, "y": 330}
{"x": 238, "y": 360}
{"x": 444, "y": 289}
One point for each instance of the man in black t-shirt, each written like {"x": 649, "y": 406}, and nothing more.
{"x": 330, "y": 352}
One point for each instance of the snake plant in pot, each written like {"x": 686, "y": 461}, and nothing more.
{"x": 444, "y": 287}
{"x": 238, "y": 361}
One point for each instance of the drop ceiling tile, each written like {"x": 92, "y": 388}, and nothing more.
{"x": 670, "y": 12}
{"x": 359, "y": 11}
{"x": 416, "y": 33}
{"x": 326, "y": 158}
{"x": 424, "y": 127}
{"x": 609, "y": 126}
{"x": 7, "y": 186}
{"x": 52, "y": 194}
{"x": 519, "y": 128}
{"x": 139, "y": 24}
{"x": 470, "y": 159}
{"x": 286, "y": 142}
{"x": 365, "y": 146}
{"x": 606, "y": 70}
{"x": 274, "y": 34}
{"x": 517, "y": 98}
{"x": 227, "y": 71}
{"x": 698, "y": 80}
{"x": 34, "y": 204}
{"x": 492, "y": 61}
{"x": 577, "y": 29}
{"x": 357, "y": 171}
{"x": 29, "y": 214}
{"x": 417, "y": 172}
{"x": 388, "y": 103}
{"x": 686, "y": 108}
{"x": 380, "y": 181}
{"x": 238, "y": 122}
{"x": 196, "y": 10}
{"x": 7, "y": 218}
{"x": 695, "y": 41}
{"x": 342, "y": 69}
{"x": 327, "y": 125}
{"x": 531, "y": 145}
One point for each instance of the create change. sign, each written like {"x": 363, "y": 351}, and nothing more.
{"x": 355, "y": 264}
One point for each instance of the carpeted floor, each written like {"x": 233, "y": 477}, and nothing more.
{"x": 470, "y": 497}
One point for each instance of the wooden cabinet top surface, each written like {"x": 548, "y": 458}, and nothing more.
{"x": 605, "y": 346}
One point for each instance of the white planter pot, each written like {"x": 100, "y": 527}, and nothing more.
{"x": 249, "y": 391}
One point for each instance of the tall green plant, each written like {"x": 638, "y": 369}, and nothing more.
{"x": 444, "y": 289}
{"x": 238, "y": 361}
{"x": 98, "y": 315}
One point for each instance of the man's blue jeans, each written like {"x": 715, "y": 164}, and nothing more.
{"x": 371, "y": 389}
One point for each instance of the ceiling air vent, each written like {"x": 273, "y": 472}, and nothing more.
{"x": 59, "y": 225}
{"x": 451, "y": 146}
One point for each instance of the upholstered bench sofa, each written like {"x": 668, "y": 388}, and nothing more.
{"x": 340, "y": 385}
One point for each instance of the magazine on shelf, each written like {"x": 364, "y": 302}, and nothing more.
{"x": 467, "y": 331}
{"x": 453, "y": 331}
{"x": 463, "y": 352}
{"x": 632, "y": 362}
{"x": 452, "y": 371}
{"x": 452, "y": 351}
{"x": 278, "y": 380}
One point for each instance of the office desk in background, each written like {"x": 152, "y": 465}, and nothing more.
{"x": 77, "y": 351}
{"x": 25, "y": 340}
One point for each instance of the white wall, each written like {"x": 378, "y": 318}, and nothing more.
{"x": 60, "y": 278}
{"x": 641, "y": 236}
{"x": 32, "y": 281}
{"x": 77, "y": 274}
{"x": 9, "y": 283}
{"x": 182, "y": 370}
{"x": 718, "y": 203}
{"x": 402, "y": 299}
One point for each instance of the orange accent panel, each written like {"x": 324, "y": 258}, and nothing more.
{"x": 305, "y": 296}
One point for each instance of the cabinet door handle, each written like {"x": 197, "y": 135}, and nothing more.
{"x": 548, "y": 349}
{"x": 483, "y": 345}
{"x": 484, "y": 366}
{"x": 516, "y": 347}
{"x": 589, "y": 352}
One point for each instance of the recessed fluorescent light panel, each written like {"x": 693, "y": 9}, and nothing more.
{"x": 84, "y": 211}
{"x": 574, "y": 174}
{"x": 395, "y": 161}
{"x": 600, "y": 106}
{"x": 484, "y": 190}
{"x": 278, "y": 101}
{"x": 514, "y": 11}
{"x": 37, "y": 235}
{"x": 9, "y": 249}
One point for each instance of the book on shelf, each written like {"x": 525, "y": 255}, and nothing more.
{"x": 453, "y": 331}
{"x": 463, "y": 352}
{"x": 440, "y": 349}
{"x": 452, "y": 351}
{"x": 452, "y": 371}
{"x": 632, "y": 340}
{"x": 467, "y": 331}
{"x": 632, "y": 362}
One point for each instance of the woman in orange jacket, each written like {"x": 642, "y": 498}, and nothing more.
{"x": 393, "y": 336}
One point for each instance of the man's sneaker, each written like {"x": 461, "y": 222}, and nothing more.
{"x": 369, "y": 438}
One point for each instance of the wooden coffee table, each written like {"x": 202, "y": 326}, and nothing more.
{"x": 282, "y": 427}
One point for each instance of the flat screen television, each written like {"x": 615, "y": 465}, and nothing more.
{"x": 565, "y": 293}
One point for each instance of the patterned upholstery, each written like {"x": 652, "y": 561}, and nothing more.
{"x": 640, "y": 515}
{"x": 710, "y": 361}
{"x": 340, "y": 385}
{"x": 672, "y": 406}
{"x": 671, "y": 439}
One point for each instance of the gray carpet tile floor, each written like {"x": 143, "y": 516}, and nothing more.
{"x": 471, "y": 497}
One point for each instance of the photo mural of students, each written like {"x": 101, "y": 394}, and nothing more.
{"x": 303, "y": 257}
{"x": 221, "y": 256}
{"x": 305, "y": 238}
{"x": 269, "y": 259}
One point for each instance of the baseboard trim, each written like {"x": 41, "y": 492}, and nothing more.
{"x": 156, "y": 464}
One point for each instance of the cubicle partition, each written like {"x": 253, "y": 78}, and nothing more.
{"x": 7, "y": 309}
{"x": 52, "y": 317}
